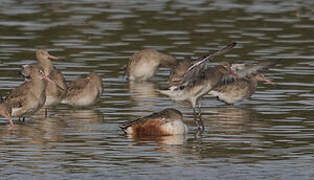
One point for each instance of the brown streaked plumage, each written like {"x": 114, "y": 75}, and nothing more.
{"x": 164, "y": 123}
{"x": 238, "y": 89}
{"x": 55, "y": 91}
{"x": 177, "y": 72}
{"x": 185, "y": 67}
{"x": 144, "y": 64}
{"x": 195, "y": 87}
{"x": 229, "y": 90}
{"x": 195, "y": 80}
{"x": 28, "y": 98}
{"x": 84, "y": 91}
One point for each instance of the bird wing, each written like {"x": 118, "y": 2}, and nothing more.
{"x": 196, "y": 70}
{"x": 245, "y": 70}
{"x": 76, "y": 86}
{"x": 18, "y": 96}
{"x": 212, "y": 56}
{"x": 143, "y": 120}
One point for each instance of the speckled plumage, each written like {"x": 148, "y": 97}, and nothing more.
{"x": 238, "y": 89}
{"x": 28, "y": 98}
{"x": 54, "y": 91}
{"x": 84, "y": 91}
{"x": 144, "y": 64}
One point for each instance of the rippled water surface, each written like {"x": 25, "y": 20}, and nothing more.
{"x": 269, "y": 136}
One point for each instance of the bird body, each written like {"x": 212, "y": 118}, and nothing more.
{"x": 163, "y": 123}
{"x": 84, "y": 91}
{"x": 28, "y": 98}
{"x": 144, "y": 64}
{"x": 239, "y": 89}
{"x": 55, "y": 90}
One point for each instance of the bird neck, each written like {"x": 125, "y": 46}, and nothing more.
{"x": 46, "y": 64}
{"x": 167, "y": 60}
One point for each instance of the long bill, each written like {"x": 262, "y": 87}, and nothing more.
{"x": 235, "y": 75}
{"x": 52, "y": 57}
{"x": 268, "y": 81}
{"x": 52, "y": 81}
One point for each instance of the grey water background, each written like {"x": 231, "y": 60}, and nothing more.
{"x": 269, "y": 136}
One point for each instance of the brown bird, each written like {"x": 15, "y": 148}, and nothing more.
{"x": 178, "y": 70}
{"x": 55, "y": 90}
{"x": 144, "y": 64}
{"x": 164, "y": 123}
{"x": 182, "y": 67}
{"x": 198, "y": 80}
{"x": 28, "y": 98}
{"x": 84, "y": 91}
{"x": 197, "y": 86}
{"x": 236, "y": 90}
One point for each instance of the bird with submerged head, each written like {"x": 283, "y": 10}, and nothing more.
{"x": 144, "y": 64}
{"x": 164, "y": 123}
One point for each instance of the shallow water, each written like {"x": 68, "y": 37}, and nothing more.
{"x": 269, "y": 136}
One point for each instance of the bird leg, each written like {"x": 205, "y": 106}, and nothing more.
{"x": 46, "y": 112}
{"x": 10, "y": 121}
{"x": 198, "y": 121}
{"x": 201, "y": 127}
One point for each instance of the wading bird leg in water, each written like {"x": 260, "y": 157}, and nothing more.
{"x": 11, "y": 122}
{"x": 199, "y": 108}
{"x": 201, "y": 127}
{"x": 46, "y": 112}
{"x": 198, "y": 119}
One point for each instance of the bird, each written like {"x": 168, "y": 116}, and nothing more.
{"x": 235, "y": 90}
{"x": 164, "y": 123}
{"x": 198, "y": 80}
{"x": 178, "y": 70}
{"x": 55, "y": 91}
{"x": 181, "y": 67}
{"x": 84, "y": 91}
{"x": 29, "y": 97}
{"x": 143, "y": 64}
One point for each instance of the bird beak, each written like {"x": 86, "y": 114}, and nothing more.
{"x": 48, "y": 79}
{"x": 233, "y": 73}
{"x": 268, "y": 81}
{"x": 52, "y": 57}
{"x": 52, "y": 81}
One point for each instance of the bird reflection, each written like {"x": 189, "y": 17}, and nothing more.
{"x": 82, "y": 119}
{"x": 169, "y": 140}
{"x": 144, "y": 93}
{"x": 231, "y": 120}
{"x": 38, "y": 130}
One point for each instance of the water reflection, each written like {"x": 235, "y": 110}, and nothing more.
{"x": 246, "y": 141}
{"x": 169, "y": 140}
{"x": 231, "y": 120}
{"x": 143, "y": 93}
{"x": 232, "y": 115}
{"x": 82, "y": 120}
{"x": 37, "y": 130}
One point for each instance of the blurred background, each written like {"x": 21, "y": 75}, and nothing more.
{"x": 269, "y": 135}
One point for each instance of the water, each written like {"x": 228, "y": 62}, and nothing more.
{"x": 269, "y": 136}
